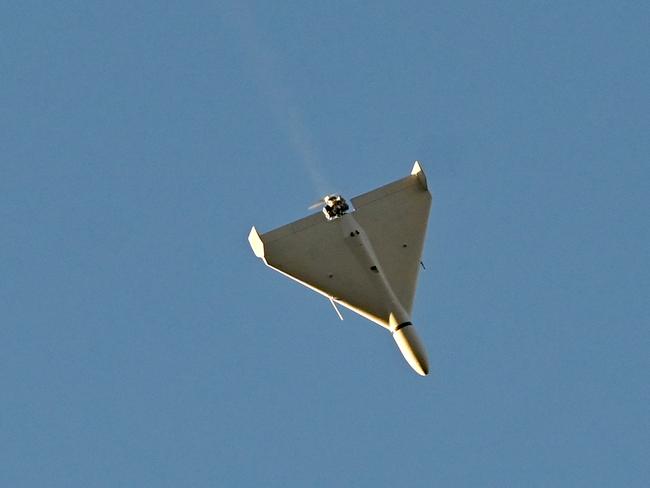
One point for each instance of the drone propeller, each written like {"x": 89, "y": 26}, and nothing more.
{"x": 317, "y": 204}
{"x": 321, "y": 202}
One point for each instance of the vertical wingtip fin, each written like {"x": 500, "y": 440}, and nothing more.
{"x": 256, "y": 243}
{"x": 419, "y": 172}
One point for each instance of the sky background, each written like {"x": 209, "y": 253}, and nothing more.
{"x": 143, "y": 344}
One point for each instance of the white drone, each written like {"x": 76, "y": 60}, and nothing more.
{"x": 366, "y": 259}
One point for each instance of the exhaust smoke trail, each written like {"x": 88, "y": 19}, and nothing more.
{"x": 264, "y": 64}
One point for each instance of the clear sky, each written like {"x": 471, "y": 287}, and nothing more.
{"x": 142, "y": 343}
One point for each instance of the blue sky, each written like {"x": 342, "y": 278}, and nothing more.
{"x": 142, "y": 343}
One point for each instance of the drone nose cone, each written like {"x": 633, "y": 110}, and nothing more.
{"x": 412, "y": 348}
{"x": 422, "y": 366}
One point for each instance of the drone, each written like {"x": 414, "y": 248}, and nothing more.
{"x": 365, "y": 257}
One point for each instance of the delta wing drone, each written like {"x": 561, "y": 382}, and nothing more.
{"x": 365, "y": 258}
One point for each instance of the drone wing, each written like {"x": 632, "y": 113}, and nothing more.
{"x": 321, "y": 255}
{"x": 395, "y": 219}
{"x": 315, "y": 252}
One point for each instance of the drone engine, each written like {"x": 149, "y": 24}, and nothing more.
{"x": 335, "y": 206}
